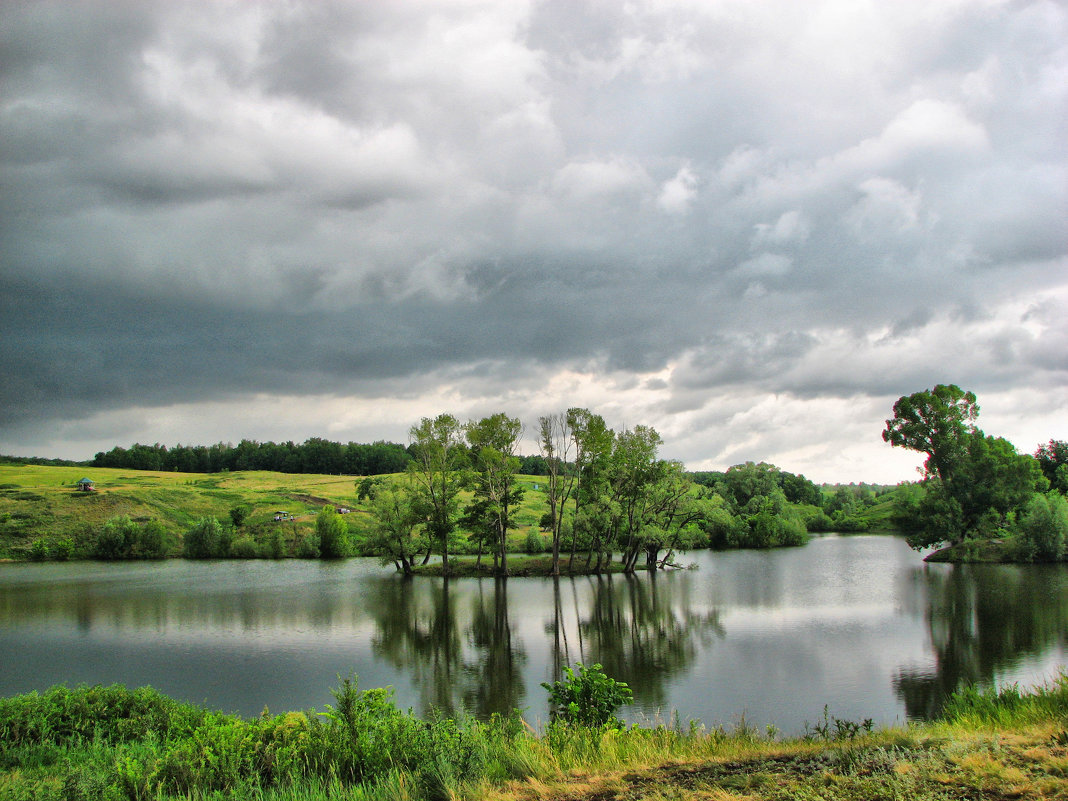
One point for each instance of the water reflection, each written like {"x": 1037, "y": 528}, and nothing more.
{"x": 984, "y": 622}
{"x": 645, "y": 630}
{"x": 858, "y": 623}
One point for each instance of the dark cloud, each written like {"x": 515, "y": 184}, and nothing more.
{"x": 680, "y": 211}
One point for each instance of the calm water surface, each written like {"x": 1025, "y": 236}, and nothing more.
{"x": 858, "y": 623}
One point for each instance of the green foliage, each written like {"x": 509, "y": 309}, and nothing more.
{"x": 333, "y": 534}
{"x": 534, "y": 542}
{"x": 117, "y": 540}
{"x": 835, "y": 728}
{"x": 39, "y": 551}
{"x": 438, "y": 473}
{"x": 306, "y": 547}
{"x": 975, "y": 707}
{"x": 239, "y": 514}
{"x": 1042, "y": 528}
{"x": 393, "y": 534}
{"x": 275, "y": 548}
{"x": 62, "y": 549}
{"x": 205, "y": 540}
{"x": 934, "y": 422}
{"x": 588, "y": 697}
{"x": 1053, "y": 459}
{"x": 244, "y": 547}
{"x": 973, "y": 481}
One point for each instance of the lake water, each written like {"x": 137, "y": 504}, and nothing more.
{"x": 858, "y": 623}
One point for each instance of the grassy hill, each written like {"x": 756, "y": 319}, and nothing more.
{"x": 44, "y": 502}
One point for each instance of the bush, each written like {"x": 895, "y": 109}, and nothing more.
{"x": 62, "y": 549}
{"x": 117, "y": 539}
{"x": 306, "y": 547}
{"x": 820, "y": 522}
{"x": 588, "y": 698}
{"x": 152, "y": 542}
{"x": 535, "y": 543}
{"x": 275, "y": 546}
{"x": 203, "y": 540}
{"x": 244, "y": 548}
{"x": 39, "y": 550}
{"x": 333, "y": 534}
{"x": 1043, "y": 527}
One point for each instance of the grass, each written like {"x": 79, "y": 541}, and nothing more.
{"x": 39, "y": 501}
{"x": 114, "y": 743}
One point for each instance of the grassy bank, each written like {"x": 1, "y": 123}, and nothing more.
{"x": 113, "y": 743}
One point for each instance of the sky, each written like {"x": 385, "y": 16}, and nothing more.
{"x": 750, "y": 225}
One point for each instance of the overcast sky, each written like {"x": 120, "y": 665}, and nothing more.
{"x": 750, "y": 225}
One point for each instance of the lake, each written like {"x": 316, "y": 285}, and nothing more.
{"x": 859, "y": 623}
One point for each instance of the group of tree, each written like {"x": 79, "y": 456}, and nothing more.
{"x": 315, "y": 455}
{"x": 608, "y": 496}
{"x": 977, "y": 486}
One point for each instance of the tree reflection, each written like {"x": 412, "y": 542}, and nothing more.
{"x": 417, "y": 630}
{"x": 475, "y": 665}
{"x": 494, "y": 675}
{"x": 642, "y": 629}
{"x": 458, "y": 641}
{"x": 983, "y": 620}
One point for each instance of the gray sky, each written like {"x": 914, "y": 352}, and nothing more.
{"x": 751, "y": 225}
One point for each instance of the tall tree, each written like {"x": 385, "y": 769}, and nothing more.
{"x": 972, "y": 480}
{"x": 394, "y": 533}
{"x": 493, "y": 441}
{"x": 555, "y": 441}
{"x": 935, "y": 422}
{"x": 437, "y": 472}
{"x": 593, "y": 454}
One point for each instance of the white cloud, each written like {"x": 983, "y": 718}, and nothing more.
{"x": 677, "y": 194}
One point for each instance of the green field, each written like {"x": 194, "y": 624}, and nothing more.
{"x": 44, "y": 502}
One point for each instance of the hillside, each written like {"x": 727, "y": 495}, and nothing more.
{"x": 39, "y": 501}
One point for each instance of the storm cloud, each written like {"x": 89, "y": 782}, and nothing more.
{"x": 750, "y": 225}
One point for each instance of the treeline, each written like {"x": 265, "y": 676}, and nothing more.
{"x": 314, "y": 455}
{"x": 38, "y": 460}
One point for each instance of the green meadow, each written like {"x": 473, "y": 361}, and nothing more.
{"x": 43, "y": 502}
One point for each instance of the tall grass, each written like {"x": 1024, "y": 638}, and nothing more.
{"x": 1008, "y": 706}
{"x": 115, "y": 743}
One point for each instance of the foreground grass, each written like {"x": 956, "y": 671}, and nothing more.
{"x": 113, "y": 743}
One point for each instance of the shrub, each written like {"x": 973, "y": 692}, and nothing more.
{"x": 117, "y": 539}
{"x": 39, "y": 550}
{"x": 535, "y": 543}
{"x": 152, "y": 541}
{"x": 244, "y": 548}
{"x": 306, "y": 547}
{"x": 202, "y": 541}
{"x": 275, "y": 547}
{"x": 62, "y": 549}
{"x": 1043, "y": 527}
{"x": 588, "y": 698}
{"x": 238, "y": 515}
{"x": 333, "y": 534}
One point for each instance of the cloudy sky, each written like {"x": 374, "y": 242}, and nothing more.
{"x": 751, "y": 225}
